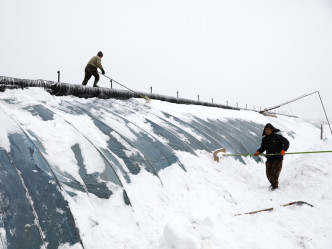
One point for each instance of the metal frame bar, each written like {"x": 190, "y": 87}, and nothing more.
{"x": 300, "y": 97}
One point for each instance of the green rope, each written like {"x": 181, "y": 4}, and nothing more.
{"x": 278, "y": 154}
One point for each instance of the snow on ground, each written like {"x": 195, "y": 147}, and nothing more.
{"x": 195, "y": 209}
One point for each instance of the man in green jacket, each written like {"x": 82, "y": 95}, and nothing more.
{"x": 91, "y": 69}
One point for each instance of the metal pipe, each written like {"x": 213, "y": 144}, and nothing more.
{"x": 302, "y": 96}
{"x": 324, "y": 111}
{"x": 290, "y": 101}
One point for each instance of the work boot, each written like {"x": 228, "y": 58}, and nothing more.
{"x": 272, "y": 188}
{"x": 95, "y": 85}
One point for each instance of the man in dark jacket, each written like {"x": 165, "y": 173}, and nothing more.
{"x": 273, "y": 143}
{"x": 91, "y": 69}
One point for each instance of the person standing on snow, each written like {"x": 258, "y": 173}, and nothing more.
{"x": 273, "y": 144}
{"x": 91, "y": 69}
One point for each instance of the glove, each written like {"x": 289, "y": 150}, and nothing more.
{"x": 102, "y": 71}
{"x": 256, "y": 153}
{"x": 282, "y": 152}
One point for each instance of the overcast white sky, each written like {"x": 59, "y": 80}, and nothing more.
{"x": 259, "y": 53}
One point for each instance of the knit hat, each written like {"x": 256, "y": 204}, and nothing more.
{"x": 100, "y": 54}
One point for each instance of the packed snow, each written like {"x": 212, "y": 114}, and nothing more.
{"x": 192, "y": 209}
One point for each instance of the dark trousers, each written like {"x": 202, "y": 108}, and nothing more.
{"x": 273, "y": 170}
{"x": 89, "y": 71}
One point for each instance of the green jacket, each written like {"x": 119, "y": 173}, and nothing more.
{"x": 96, "y": 62}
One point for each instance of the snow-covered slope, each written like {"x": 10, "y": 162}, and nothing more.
{"x": 98, "y": 173}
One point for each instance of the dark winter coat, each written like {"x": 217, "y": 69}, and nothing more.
{"x": 273, "y": 144}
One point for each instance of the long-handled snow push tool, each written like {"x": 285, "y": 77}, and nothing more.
{"x": 216, "y": 158}
{"x": 147, "y": 99}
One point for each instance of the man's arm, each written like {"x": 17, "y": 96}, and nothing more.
{"x": 284, "y": 142}
{"x": 261, "y": 149}
{"x": 100, "y": 66}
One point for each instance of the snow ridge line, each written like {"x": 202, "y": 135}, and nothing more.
{"x": 3, "y": 240}
{"x": 149, "y": 134}
{"x": 103, "y": 156}
{"x": 29, "y": 136}
{"x": 93, "y": 117}
{"x": 37, "y": 223}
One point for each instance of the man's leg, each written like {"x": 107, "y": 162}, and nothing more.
{"x": 96, "y": 75}
{"x": 269, "y": 171}
{"x": 275, "y": 172}
{"x": 87, "y": 76}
